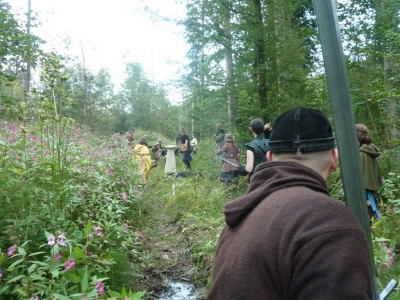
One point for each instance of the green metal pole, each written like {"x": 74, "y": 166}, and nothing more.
{"x": 343, "y": 118}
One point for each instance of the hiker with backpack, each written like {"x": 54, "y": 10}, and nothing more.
{"x": 256, "y": 150}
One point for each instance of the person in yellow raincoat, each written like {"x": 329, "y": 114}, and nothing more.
{"x": 141, "y": 155}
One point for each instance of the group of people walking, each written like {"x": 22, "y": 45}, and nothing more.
{"x": 256, "y": 153}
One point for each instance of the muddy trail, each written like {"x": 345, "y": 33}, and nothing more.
{"x": 168, "y": 271}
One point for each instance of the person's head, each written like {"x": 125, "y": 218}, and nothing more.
{"x": 143, "y": 140}
{"x": 363, "y": 134}
{"x": 219, "y": 126}
{"x": 228, "y": 138}
{"x": 304, "y": 135}
{"x": 182, "y": 133}
{"x": 132, "y": 130}
{"x": 257, "y": 126}
{"x": 159, "y": 141}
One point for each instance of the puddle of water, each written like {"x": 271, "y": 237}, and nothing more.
{"x": 178, "y": 290}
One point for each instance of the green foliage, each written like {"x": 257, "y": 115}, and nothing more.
{"x": 79, "y": 189}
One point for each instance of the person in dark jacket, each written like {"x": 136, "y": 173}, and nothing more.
{"x": 286, "y": 238}
{"x": 185, "y": 149}
{"x": 369, "y": 154}
{"x": 256, "y": 150}
{"x": 219, "y": 136}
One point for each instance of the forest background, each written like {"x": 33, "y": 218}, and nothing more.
{"x": 249, "y": 58}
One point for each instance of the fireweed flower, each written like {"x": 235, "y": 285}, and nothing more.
{"x": 11, "y": 250}
{"x": 69, "y": 264}
{"x": 57, "y": 256}
{"x": 51, "y": 240}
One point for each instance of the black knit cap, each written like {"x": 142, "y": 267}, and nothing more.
{"x": 304, "y": 128}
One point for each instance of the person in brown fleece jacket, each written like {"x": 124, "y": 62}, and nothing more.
{"x": 286, "y": 238}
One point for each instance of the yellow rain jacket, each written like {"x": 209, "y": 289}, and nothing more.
{"x": 141, "y": 156}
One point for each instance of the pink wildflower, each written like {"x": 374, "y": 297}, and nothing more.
{"x": 105, "y": 199}
{"x": 139, "y": 234}
{"x": 57, "y": 256}
{"x": 51, "y": 240}
{"x": 36, "y": 297}
{"x": 98, "y": 228}
{"x": 125, "y": 196}
{"x": 125, "y": 228}
{"x": 62, "y": 240}
{"x": 11, "y": 250}
{"x": 100, "y": 234}
{"x": 100, "y": 287}
{"x": 1, "y": 275}
{"x": 69, "y": 264}
{"x": 90, "y": 236}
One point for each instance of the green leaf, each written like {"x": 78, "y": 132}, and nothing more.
{"x": 72, "y": 277}
{"x": 79, "y": 254}
{"x": 92, "y": 293}
{"x": 139, "y": 295}
{"x": 16, "y": 278}
{"x": 32, "y": 268}
{"x": 17, "y": 262}
{"x": 55, "y": 273}
{"x": 21, "y": 251}
{"x": 4, "y": 289}
{"x": 88, "y": 228}
{"x": 123, "y": 292}
{"x": 60, "y": 297}
{"x": 36, "y": 253}
{"x": 17, "y": 170}
{"x": 85, "y": 281}
{"x": 37, "y": 277}
{"x": 22, "y": 292}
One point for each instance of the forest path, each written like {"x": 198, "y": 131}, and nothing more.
{"x": 167, "y": 255}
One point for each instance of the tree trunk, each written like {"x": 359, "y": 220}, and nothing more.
{"x": 230, "y": 82}
{"x": 28, "y": 59}
{"x": 259, "y": 46}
